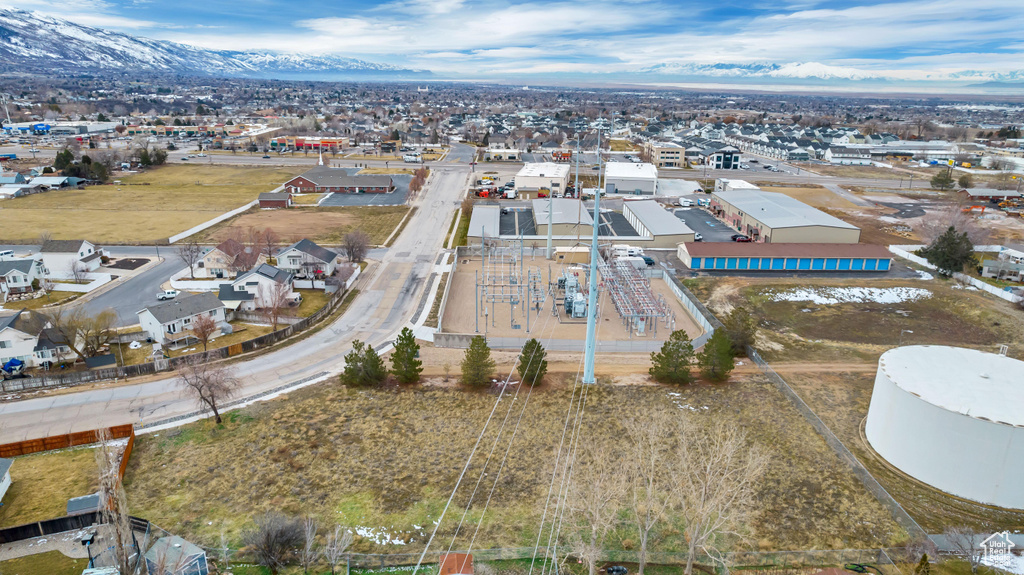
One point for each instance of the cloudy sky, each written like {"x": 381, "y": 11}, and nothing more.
{"x": 917, "y": 39}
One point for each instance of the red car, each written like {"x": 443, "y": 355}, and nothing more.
{"x": 741, "y": 238}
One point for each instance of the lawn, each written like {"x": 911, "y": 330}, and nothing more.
{"x": 145, "y": 207}
{"x": 312, "y": 300}
{"x": 326, "y": 226}
{"x": 623, "y": 146}
{"x": 243, "y": 332}
{"x": 306, "y": 199}
{"x": 50, "y": 563}
{"x": 39, "y": 302}
{"x": 387, "y": 460}
{"x": 42, "y": 483}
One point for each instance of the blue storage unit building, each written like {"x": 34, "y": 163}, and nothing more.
{"x": 727, "y": 256}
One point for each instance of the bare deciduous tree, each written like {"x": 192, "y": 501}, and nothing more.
{"x": 356, "y": 244}
{"x": 715, "y": 479}
{"x": 203, "y": 327}
{"x": 114, "y": 504}
{"x": 963, "y": 541}
{"x": 337, "y": 544}
{"x": 309, "y": 554}
{"x": 83, "y": 333}
{"x": 649, "y": 495}
{"x": 77, "y": 271}
{"x": 208, "y": 383}
{"x": 269, "y": 242}
{"x": 273, "y": 301}
{"x": 594, "y": 498}
{"x": 273, "y": 540}
{"x": 190, "y": 252}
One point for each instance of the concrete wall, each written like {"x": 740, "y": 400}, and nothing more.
{"x": 813, "y": 235}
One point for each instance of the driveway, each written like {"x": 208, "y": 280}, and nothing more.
{"x": 705, "y": 224}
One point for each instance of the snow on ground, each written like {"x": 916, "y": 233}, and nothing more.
{"x": 835, "y": 295}
{"x": 1010, "y": 563}
{"x": 379, "y": 535}
{"x": 925, "y": 275}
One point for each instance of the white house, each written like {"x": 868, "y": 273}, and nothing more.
{"x": 227, "y": 259}
{"x": 5, "y": 476}
{"x": 58, "y": 255}
{"x": 17, "y": 275}
{"x": 306, "y": 259}
{"x": 257, "y": 288}
{"x": 28, "y": 337}
{"x": 171, "y": 322}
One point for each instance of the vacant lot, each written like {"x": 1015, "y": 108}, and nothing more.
{"x": 844, "y": 341}
{"x": 41, "y": 485}
{"x": 51, "y": 563}
{"x": 812, "y": 195}
{"x": 387, "y": 460}
{"x": 322, "y": 225}
{"x": 144, "y": 207}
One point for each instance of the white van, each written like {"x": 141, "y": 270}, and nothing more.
{"x": 685, "y": 202}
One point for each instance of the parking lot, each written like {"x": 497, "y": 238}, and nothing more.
{"x": 395, "y": 198}
{"x": 703, "y": 223}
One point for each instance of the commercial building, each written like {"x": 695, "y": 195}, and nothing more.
{"x": 933, "y": 403}
{"x": 503, "y": 155}
{"x": 630, "y": 178}
{"x": 727, "y": 185}
{"x": 665, "y": 154}
{"x": 568, "y": 217}
{"x": 324, "y": 179}
{"x": 302, "y": 143}
{"x": 546, "y": 175}
{"x": 774, "y": 217}
{"x": 784, "y": 257}
{"x": 649, "y": 218}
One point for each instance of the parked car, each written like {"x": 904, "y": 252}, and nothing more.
{"x": 266, "y": 157}
{"x": 542, "y": 194}
{"x": 740, "y": 238}
{"x": 648, "y": 260}
{"x": 685, "y": 202}
{"x": 167, "y": 294}
{"x": 698, "y": 238}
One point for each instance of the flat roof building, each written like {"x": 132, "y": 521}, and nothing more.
{"x": 774, "y": 217}
{"x": 737, "y": 256}
{"x": 649, "y": 218}
{"x": 630, "y": 178}
{"x": 543, "y": 175}
{"x": 568, "y": 216}
{"x": 485, "y": 222}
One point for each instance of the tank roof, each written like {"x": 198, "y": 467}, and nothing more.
{"x": 981, "y": 385}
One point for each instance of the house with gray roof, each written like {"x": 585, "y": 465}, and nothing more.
{"x": 17, "y": 275}
{"x": 170, "y": 323}
{"x": 5, "y": 476}
{"x": 176, "y": 556}
{"x": 28, "y": 336}
{"x": 264, "y": 283}
{"x": 307, "y": 259}
{"x": 59, "y": 255}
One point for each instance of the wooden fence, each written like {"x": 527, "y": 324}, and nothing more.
{"x": 30, "y": 446}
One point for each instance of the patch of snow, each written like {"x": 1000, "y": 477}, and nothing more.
{"x": 379, "y": 535}
{"x": 1010, "y": 563}
{"x": 925, "y": 275}
{"x": 836, "y": 295}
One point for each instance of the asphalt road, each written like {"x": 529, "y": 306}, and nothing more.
{"x": 702, "y": 222}
{"x": 388, "y": 298}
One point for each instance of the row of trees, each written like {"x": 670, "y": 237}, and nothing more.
{"x": 276, "y": 540}
{"x": 419, "y": 178}
{"x": 715, "y": 362}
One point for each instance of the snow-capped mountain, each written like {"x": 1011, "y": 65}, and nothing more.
{"x": 36, "y": 43}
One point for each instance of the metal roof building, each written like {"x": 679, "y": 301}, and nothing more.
{"x": 485, "y": 222}
{"x": 649, "y": 218}
{"x": 630, "y": 178}
{"x": 775, "y": 217}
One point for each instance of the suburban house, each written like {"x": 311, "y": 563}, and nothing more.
{"x": 257, "y": 288}
{"x": 306, "y": 259}
{"x": 1006, "y": 270}
{"x": 5, "y": 476}
{"x": 8, "y": 191}
{"x": 227, "y": 259}
{"x": 323, "y": 179}
{"x": 275, "y": 200}
{"x": 27, "y": 336}
{"x": 16, "y": 276}
{"x": 57, "y": 182}
{"x": 171, "y": 322}
{"x": 59, "y": 255}
{"x": 12, "y": 178}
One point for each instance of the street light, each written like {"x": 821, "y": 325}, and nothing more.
{"x": 903, "y": 331}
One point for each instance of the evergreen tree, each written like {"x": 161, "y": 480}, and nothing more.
{"x": 923, "y": 567}
{"x": 965, "y": 181}
{"x": 363, "y": 367}
{"x": 942, "y": 180}
{"x": 672, "y": 363}
{"x": 716, "y": 360}
{"x": 532, "y": 362}
{"x": 741, "y": 327}
{"x": 64, "y": 159}
{"x": 477, "y": 365}
{"x": 950, "y": 252}
{"x": 404, "y": 365}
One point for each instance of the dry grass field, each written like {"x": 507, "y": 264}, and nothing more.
{"x": 812, "y": 195}
{"x": 145, "y": 207}
{"x": 41, "y": 485}
{"x": 388, "y": 459}
{"x": 322, "y": 225}
{"x": 829, "y": 354}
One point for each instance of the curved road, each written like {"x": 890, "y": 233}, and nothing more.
{"x": 388, "y": 299}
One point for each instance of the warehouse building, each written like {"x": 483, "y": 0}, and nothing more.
{"x": 568, "y": 217}
{"x": 777, "y": 218}
{"x": 485, "y": 223}
{"x": 649, "y": 218}
{"x": 546, "y": 175}
{"x": 630, "y": 178}
{"x": 728, "y": 185}
{"x": 785, "y": 257}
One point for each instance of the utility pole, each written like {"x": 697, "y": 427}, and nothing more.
{"x": 591, "y": 346}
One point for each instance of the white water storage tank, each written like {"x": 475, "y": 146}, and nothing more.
{"x": 952, "y": 418}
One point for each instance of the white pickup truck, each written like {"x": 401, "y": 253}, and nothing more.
{"x": 167, "y": 294}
